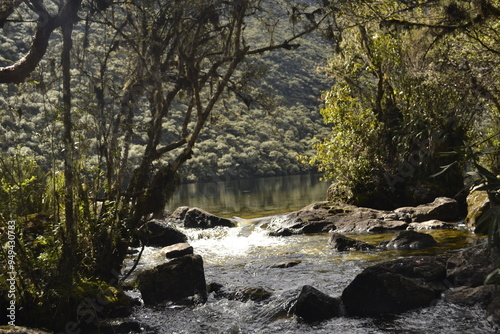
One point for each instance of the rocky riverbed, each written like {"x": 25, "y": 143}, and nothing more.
{"x": 326, "y": 268}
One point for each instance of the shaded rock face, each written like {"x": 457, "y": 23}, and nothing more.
{"x": 177, "y": 250}
{"x": 464, "y": 295}
{"x": 198, "y": 218}
{"x": 313, "y": 305}
{"x": 158, "y": 233}
{"x": 342, "y": 243}
{"x": 409, "y": 240}
{"x": 396, "y": 286}
{"x": 469, "y": 267}
{"x": 477, "y": 203}
{"x": 443, "y": 208}
{"x": 180, "y": 280}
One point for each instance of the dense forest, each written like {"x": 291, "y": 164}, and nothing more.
{"x": 106, "y": 107}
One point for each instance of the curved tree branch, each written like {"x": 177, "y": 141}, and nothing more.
{"x": 21, "y": 69}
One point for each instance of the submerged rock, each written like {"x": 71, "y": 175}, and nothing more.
{"x": 409, "y": 240}
{"x": 241, "y": 294}
{"x": 180, "y": 280}
{"x": 342, "y": 243}
{"x": 396, "y": 286}
{"x": 198, "y": 218}
{"x": 313, "y": 305}
{"x": 286, "y": 264}
{"x": 158, "y": 233}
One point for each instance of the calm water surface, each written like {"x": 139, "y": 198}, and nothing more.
{"x": 242, "y": 257}
{"x": 252, "y": 197}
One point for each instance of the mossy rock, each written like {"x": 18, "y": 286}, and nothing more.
{"x": 477, "y": 203}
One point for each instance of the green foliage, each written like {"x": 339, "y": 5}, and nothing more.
{"x": 406, "y": 72}
{"x": 22, "y": 186}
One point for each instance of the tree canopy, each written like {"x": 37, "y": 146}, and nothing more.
{"x": 415, "y": 87}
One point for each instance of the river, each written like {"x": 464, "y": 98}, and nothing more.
{"x": 244, "y": 260}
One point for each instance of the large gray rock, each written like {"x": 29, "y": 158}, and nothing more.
{"x": 342, "y": 243}
{"x": 443, "y": 208}
{"x": 158, "y": 233}
{"x": 409, "y": 240}
{"x": 313, "y": 305}
{"x": 180, "y": 280}
{"x": 396, "y": 286}
{"x": 329, "y": 216}
{"x": 198, "y": 218}
{"x": 469, "y": 267}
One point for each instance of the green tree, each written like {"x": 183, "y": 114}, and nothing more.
{"x": 402, "y": 100}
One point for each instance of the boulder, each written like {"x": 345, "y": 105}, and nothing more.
{"x": 313, "y": 305}
{"x": 177, "y": 250}
{"x": 198, "y": 218}
{"x": 469, "y": 267}
{"x": 477, "y": 203}
{"x": 431, "y": 225}
{"x": 409, "y": 240}
{"x": 180, "y": 280}
{"x": 443, "y": 208}
{"x": 396, "y": 286}
{"x": 464, "y": 295}
{"x": 329, "y": 216}
{"x": 342, "y": 243}
{"x": 159, "y": 233}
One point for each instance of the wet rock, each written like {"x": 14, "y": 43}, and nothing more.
{"x": 198, "y": 218}
{"x": 158, "y": 233}
{"x": 177, "y": 250}
{"x": 342, "y": 243}
{"x": 286, "y": 264}
{"x": 431, "y": 225}
{"x": 477, "y": 203}
{"x": 464, "y": 295}
{"x": 116, "y": 326}
{"x": 409, "y": 240}
{"x": 241, "y": 294}
{"x": 313, "y": 305}
{"x": 396, "y": 286}
{"x": 443, "y": 208}
{"x": 180, "y": 280}
{"x": 21, "y": 330}
{"x": 469, "y": 267}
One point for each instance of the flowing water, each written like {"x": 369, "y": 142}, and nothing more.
{"x": 244, "y": 256}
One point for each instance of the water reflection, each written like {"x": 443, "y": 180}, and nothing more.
{"x": 252, "y": 197}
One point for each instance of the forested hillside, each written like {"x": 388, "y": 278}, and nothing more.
{"x": 259, "y": 135}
